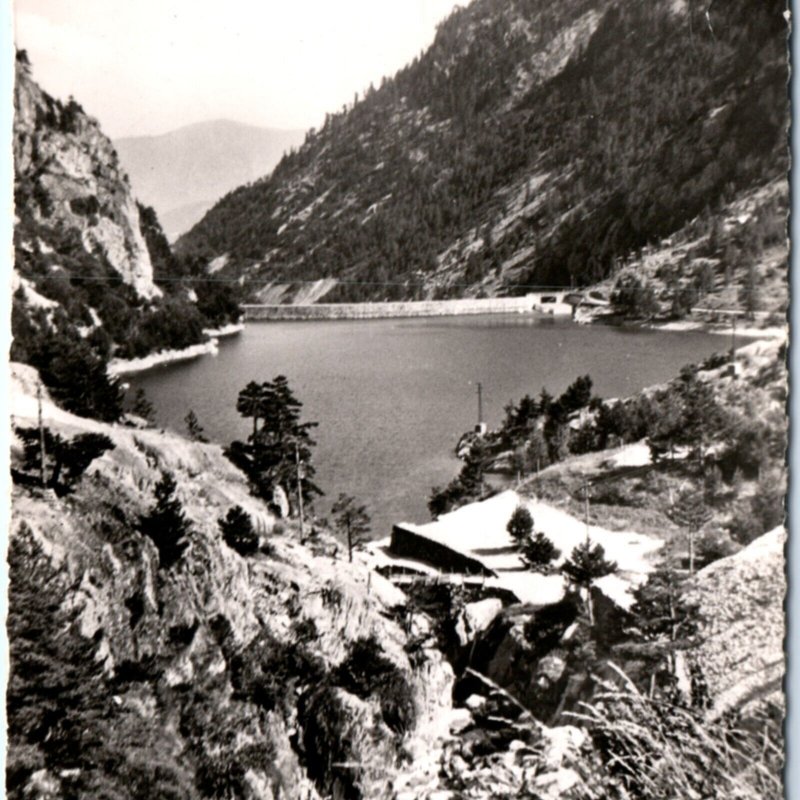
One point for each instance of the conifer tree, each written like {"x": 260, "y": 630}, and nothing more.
{"x": 520, "y": 525}
{"x": 351, "y": 520}
{"x": 539, "y": 552}
{"x": 193, "y": 427}
{"x": 278, "y": 452}
{"x": 586, "y": 564}
{"x": 142, "y": 407}
{"x": 166, "y": 524}
{"x": 689, "y": 511}
{"x": 238, "y": 532}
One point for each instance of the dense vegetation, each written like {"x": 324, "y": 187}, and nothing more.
{"x": 71, "y": 310}
{"x": 661, "y": 115}
{"x": 278, "y": 451}
{"x": 725, "y": 452}
{"x": 58, "y": 463}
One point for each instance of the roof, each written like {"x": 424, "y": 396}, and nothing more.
{"x": 478, "y": 531}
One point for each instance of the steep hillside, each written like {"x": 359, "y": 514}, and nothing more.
{"x": 268, "y": 667}
{"x": 182, "y": 173}
{"x": 68, "y": 179}
{"x": 93, "y": 273}
{"x": 532, "y": 143}
{"x": 217, "y": 675}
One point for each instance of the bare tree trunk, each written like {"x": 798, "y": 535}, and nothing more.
{"x": 42, "y": 453}
{"x": 349, "y": 543}
{"x": 691, "y": 551}
{"x": 590, "y": 605}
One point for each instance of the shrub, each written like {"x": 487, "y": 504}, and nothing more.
{"x": 715, "y": 545}
{"x": 268, "y": 671}
{"x": 327, "y": 740}
{"x": 539, "y": 551}
{"x": 75, "y": 375}
{"x": 520, "y": 525}
{"x": 67, "y": 459}
{"x": 166, "y": 524}
{"x": 366, "y": 671}
{"x": 633, "y": 297}
{"x": 237, "y": 531}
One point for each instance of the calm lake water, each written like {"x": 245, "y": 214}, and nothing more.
{"x": 392, "y": 397}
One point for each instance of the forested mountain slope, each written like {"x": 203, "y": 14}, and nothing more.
{"x": 93, "y": 273}
{"x": 532, "y": 143}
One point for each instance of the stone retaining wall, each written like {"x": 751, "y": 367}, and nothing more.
{"x": 421, "y": 308}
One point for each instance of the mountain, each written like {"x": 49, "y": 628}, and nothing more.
{"x": 182, "y": 173}
{"x": 532, "y": 143}
{"x": 94, "y": 276}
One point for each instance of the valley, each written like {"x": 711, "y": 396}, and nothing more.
{"x": 437, "y": 452}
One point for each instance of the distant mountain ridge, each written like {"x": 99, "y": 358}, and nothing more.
{"x": 183, "y": 172}
{"x": 532, "y": 144}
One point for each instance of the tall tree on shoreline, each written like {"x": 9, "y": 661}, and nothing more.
{"x": 279, "y": 451}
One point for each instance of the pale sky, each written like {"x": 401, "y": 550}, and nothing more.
{"x": 148, "y": 66}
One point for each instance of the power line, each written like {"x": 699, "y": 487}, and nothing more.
{"x": 274, "y": 281}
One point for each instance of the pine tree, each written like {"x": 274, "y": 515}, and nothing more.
{"x": 586, "y": 564}
{"x": 142, "y": 407}
{"x": 249, "y": 403}
{"x": 66, "y": 459}
{"x": 238, "y": 532}
{"x": 539, "y": 552}
{"x": 271, "y": 454}
{"x": 351, "y": 520}
{"x": 536, "y": 452}
{"x": 520, "y": 525}
{"x": 689, "y": 511}
{"x": 57, "y": 701}
{"x": 749, "y": 296}
{"x": 166, "y": 524}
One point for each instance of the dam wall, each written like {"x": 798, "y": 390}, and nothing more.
{"x": 551, "y": 303}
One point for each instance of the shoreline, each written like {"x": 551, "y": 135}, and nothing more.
{"x": 122, "y": 366}
{"x": 771, "y": 332}
{"x": 686, "y": 325}
{"x": 119, "y": 367}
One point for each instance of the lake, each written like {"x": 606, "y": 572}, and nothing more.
{"x": 393, "y": 396}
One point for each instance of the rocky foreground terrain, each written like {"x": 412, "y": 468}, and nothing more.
{"x": 287, "y": 672}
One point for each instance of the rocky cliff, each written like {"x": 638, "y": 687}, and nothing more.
{"x": 68, "y": 179}
{"x": 741, "y": 599}
{"x": 88, "y": 259}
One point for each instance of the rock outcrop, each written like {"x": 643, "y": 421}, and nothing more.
{"x": 740, "y": 600}
{"x": 69, "y": 169}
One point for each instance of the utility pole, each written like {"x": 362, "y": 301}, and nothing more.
{"x": 733, "y": 344}
{"x": 586, "y": 507}
{"x": 43, "y": 454}
{"x": 299, "y": 488}
{"x": 480, "y": 403}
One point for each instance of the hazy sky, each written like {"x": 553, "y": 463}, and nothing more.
{"x": 147, "y": 66}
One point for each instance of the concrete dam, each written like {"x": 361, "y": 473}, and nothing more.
{"x": 550, "y": 303}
